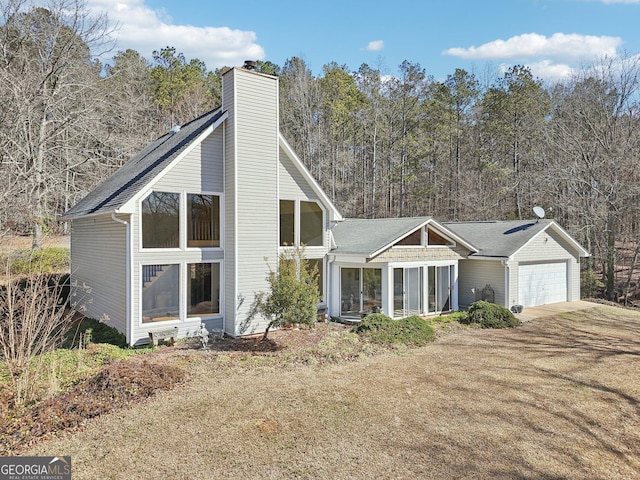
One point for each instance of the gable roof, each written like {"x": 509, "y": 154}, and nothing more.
{"x": 502, "y": 239}
{"x": 137, "y": 173}
{"x": 370, "y": 237}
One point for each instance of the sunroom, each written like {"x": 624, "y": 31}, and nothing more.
{"x": 397, "y": 266}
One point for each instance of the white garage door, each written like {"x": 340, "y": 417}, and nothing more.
{"x": 543, "y": 283}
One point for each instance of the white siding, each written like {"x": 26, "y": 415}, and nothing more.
{"x": 200, "y": 170}
{"x": 98, "y": 253}
{"x": 251, "y": 100}
{"x": 544, "y": 247}
{"x": 292, "y": 184}
{"x": 476, "y": 274}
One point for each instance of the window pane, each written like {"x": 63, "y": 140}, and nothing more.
{"x": 161, "y": 220}
{"x": 436, "y": 239}
{"x": 372, "y": 285}
{"x": 412, "y": 239}
{"x": 398, "y": 292}
{"x": 350, "y": 292}
{"x": 203, "y": 289}
{"x": 310, "y": 224}
{"x": 160, "y": 293}
{"x": 203, "y": 220}
{"x": 317, "y": 265}
{"x": 287, "y": 223}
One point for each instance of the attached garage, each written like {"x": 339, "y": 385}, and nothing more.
{"x": 542, "y": 283}
{"x": 525, "y": 263}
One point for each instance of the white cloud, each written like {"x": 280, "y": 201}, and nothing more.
{"x": 549, "y": 71}
{"x": 560, "y": 47}
{"x": 145, "y": 30}
{"x": 620, "y": 1}
{"x": 552, "y": 58}
{"x": 375, "y": 46}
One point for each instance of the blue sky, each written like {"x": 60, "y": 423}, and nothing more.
{"x": 552, "y": 37}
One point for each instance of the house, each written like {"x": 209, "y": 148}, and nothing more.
{"x": 523, "y": 262}
{"x": 187, "y": 230}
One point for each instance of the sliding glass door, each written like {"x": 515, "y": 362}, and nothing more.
{"x": 360, "y": 291}
{"x": 440, "y": 287}
{"x": 407, "y": 291}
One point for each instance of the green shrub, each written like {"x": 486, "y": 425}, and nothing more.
{"x": 490, "y": 315}
{"x": 100, "y": 333}
{"x": 382, "y": 329}
{"x": 45, "y": 260}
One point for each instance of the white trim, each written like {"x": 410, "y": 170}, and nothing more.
{"x": 235, "y": 200}
{"x": 129, "y": 205}
{"x": 128, "y": 278}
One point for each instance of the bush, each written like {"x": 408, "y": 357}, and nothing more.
{"x": 490, "y": 315}
{"x": 46, "y": 260}
{"x": 293, "y": 297}
{"x": 100, "y": 333}
{"x": 382, "y": 329}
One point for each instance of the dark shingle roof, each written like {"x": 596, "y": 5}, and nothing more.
{"x": 498, "y": 239}
{"x": 134, "y": 175}
{"x": 358, "y": 236}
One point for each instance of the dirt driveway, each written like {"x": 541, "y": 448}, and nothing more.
{"x": 556, "y": 398}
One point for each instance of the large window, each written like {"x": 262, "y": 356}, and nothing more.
{"x": 301, "y": 223}
{"x": 203, "y": 289}
{"x": 310, "y": 224}
{"x": 203, "y": 220}
{"x": 160, "y": 293}
{"x": 287, "y": 222}
{"x": 161, "y": 220}
{"x": 161, "y": 287}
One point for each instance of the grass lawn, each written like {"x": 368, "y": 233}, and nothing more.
{"x": 555, "y": 398}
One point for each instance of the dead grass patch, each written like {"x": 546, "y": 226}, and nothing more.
{"x": 555, "y": 398}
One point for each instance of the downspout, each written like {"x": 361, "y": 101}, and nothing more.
{"x": 128, "y": 274}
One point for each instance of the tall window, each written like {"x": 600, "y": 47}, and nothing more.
{"x": 310, "y": 224}
{"x": 203, "y": 220}
{"x": 203, "y": 289}
{"x": 287, "y": 222}
{"x": 160, "y": 293}
{"x": 161, "y": 220}
{"x": 317, "y": 264}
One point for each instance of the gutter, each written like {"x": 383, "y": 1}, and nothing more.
{"x": 129, "y": 269}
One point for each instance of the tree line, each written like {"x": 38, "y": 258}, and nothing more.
{"x": 380, "y": 144}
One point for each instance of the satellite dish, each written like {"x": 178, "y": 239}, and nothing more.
{"x": 539, "y": 211}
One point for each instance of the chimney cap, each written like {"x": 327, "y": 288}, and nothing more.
{"x": 250, "y": 65}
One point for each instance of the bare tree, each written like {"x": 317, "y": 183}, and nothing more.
{"x": 48, "y": 83}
